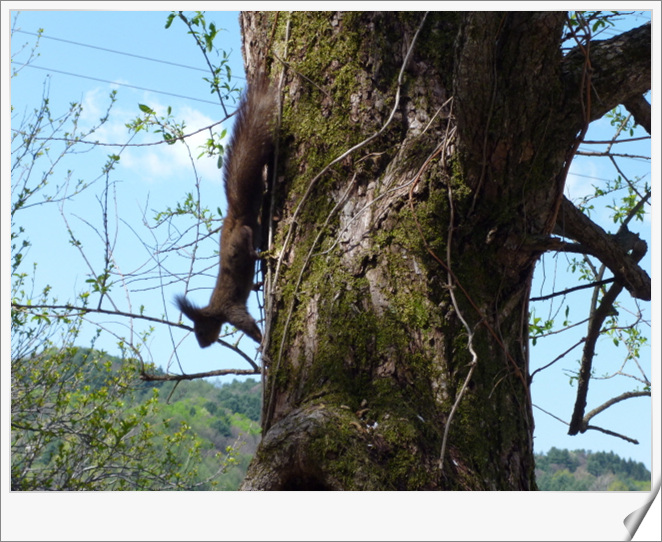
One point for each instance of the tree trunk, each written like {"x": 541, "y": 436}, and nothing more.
{"x": 421, "y": 164}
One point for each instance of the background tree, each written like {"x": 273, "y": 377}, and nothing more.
{"x": 421, "y": 172}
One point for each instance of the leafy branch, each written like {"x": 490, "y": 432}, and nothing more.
{"x": 204, "y": 38}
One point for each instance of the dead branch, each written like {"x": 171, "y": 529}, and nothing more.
{"x": 598, "y": 316}
{"x": 613, "y": 401}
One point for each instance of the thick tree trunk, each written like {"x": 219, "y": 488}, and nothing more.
{"x": 397, "y": 296}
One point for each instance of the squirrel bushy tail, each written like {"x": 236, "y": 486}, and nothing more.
{"x": 249, "y": 149}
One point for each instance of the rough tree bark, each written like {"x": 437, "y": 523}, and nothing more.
{"x": 398, "y": 287}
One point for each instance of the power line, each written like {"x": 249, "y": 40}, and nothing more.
{"x": 116, "y": 83}
{"x": 149, "y": 59}
{"x": 115, "y": 52}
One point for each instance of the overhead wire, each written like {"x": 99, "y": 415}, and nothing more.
{"x": 149, "y": 59}
{"x": 110, "y": 50}
{"x": 115, "y": 83}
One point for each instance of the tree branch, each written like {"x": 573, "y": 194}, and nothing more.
{"x": 177, "y": 378}
{"x": 640, "y": 110}
{"x": 621, "y": 70}
{"x": 579, "y": 422}
{"x": 72, "y": 140}
{"x": 613, "y": 434}
{"x": 609, "y": 153}
{"x": 574, "y": 224}
{"x": 595, "y": 325}
{"x": 613, "y": 401}
{"x": 595, "y": 427}
{"x": 574, "y": 289}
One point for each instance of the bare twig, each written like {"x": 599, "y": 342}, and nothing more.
{"x": 122, "y": 145}
{"x": 85, "y": 310}
{"x": 204, "y": 53}
{"x": 610, "y": 154}
{"x": 573, "y": 289}
{"x": 612, "y": 433}
{"x": 613, "y": 401}
{"x": 594, "y": 427}
{"x": 557, "y": 358}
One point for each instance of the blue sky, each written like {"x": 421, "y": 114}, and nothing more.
{"x": 158, "y": 176}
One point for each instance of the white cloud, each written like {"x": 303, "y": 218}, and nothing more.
{"x": 152, "y": 163}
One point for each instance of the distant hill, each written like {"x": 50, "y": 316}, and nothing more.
{"x": 579, "y": 470}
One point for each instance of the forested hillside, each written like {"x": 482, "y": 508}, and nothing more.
{"x": 579, "y": 470}
{"x": 221, "y": 415}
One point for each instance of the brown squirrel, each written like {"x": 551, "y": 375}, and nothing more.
{"x": 250, "y": 148}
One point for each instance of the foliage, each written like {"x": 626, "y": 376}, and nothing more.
{"x": 579, "y": 470}
{"x": 204, "y": 34}
{"x": 600, "y": 463}
{"x": 76, "y": 425}
{"x": 84, "y": 420}
{"x": 238, "y": 398}
{"x": 596, "y": 20}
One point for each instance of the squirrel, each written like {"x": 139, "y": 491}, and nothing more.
{"x": 249, "y": 149}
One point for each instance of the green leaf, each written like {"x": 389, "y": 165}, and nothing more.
{"x": 146, "y": 109}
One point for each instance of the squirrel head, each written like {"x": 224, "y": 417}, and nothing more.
{"x": 207, "y": 322}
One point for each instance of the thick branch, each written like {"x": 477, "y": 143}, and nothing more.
{"x": 640, "y": 109}
{"x": 577, "y": 424}
{"x": 574, "y": 224}
{"x": 621, "y": 70}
